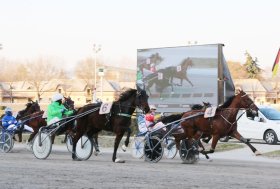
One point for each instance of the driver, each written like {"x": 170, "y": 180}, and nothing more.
{"x": 56, "y": 109}
{"x": 9, "y": 122}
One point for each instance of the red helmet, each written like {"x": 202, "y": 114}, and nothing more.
{"x": 150, "y": 117}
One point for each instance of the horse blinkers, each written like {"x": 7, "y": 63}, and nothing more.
{"x": 142, "y": 101}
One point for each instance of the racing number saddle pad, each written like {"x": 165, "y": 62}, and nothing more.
{"x": 105, "y": 107}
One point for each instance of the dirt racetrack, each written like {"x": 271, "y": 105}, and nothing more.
{"x": 20, "y": 169}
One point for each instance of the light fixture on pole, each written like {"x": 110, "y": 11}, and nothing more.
{"x": 101, "y": 75}
{"x": 96, "y": 49}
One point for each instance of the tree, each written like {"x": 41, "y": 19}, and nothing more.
{"x": 237, "y": 71}
{"x": 40, "y": 72}
{"x": 85, "y": 70}
{"x": 252, "y": 67}
{"x": 11, "y": 72}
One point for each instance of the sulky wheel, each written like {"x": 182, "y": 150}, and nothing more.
{"x": 43, "y": 150}
{"x": 69, "y": 143}
{"x": 170, "y": 149}
{"x": 153, "y": 149}
{"x": 84, "y": 148}
{"x": 6, "y": 142}
{"x": 188, "y": 153}
{"x": 137, "y": 147}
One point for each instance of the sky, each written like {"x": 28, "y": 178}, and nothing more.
{"x": 66, "y": 30}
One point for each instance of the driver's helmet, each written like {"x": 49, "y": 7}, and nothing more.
{"x": 8, "y": 109}
{"x": 57, "y": 97}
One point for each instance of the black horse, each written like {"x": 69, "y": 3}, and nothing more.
{"x": 117, "y": 121}
{"x": 159, "y": 80}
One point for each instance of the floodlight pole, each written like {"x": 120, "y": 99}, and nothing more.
{"x": 96, "y": 49}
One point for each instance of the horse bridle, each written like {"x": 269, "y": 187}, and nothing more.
{"x": 250, "y": 106}
{"x": 250, "y": 109}
{"x": 139, "y": 105}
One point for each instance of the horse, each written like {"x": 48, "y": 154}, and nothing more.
{"x": 178, "y": 133}
{"x": 117, "y": 121}
{"x": 34, "y": 117}
{"x": 24, "y": 115}
{"x": 179, "y": 72}
{"x": 224, "y": 123}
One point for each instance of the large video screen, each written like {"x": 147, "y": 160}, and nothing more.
{"x": 176, "y": 78}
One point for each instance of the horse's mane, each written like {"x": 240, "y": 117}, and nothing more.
{"x": 227, "y": 103}
{"x": 126, "y": 94}
{"x": 28, "y": 105}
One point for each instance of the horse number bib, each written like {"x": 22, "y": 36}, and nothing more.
{"x": 210, "y": 112}
{"x": 105, "y": 107}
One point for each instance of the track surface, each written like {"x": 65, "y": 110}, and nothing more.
{"x": 20, "y": 169}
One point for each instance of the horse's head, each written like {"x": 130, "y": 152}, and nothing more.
{"x": 187, "y": 62}
{"x": 142, "y": 100}
{"x": 35, "y": 107}
{"x": 247, "y": 103}
{"x": 69, "y": 103}
{"x": 31, "y": 107}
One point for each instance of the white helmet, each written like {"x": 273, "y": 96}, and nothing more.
{"x": 153, "y": 107}
{"x": 8, "y": 110}
{"x": 57, "y": 97}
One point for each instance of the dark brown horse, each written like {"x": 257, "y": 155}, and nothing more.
{"x": 224, "y": 123}
{"x": 24, "y": 115}
{"x": 117, "y": 121}
{"x": 179, "y": 71}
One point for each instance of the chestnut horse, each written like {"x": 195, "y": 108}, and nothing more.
{"x": 224, "y": 123}
{"x": 117, "y": 121}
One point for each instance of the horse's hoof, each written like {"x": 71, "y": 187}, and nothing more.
{"x": 76, "y": 159}
{"x": 119, "y": 160}
{"x": 28, "y": 146}
{"x": 257, "y": 153}
{"x": 97, "y": 153}
{"x": 123, "y": 148}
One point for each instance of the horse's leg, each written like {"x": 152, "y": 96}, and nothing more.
{"x": 20, "y": 136}
{"x": 116, "y": 145}
{"x": 76, "y": 137}
{"x": 172, "y": 90}
{"x": 126, "y": 142}
{"x": 95, "y": 143}
{"x": 201, "y": 149}
{"x": 187, "y": 79}
{"x": 237, "y": 135}
{"x": 178, "y": 138}
{"x": 52, "y": 138}
{"x": 213, "y": 145}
